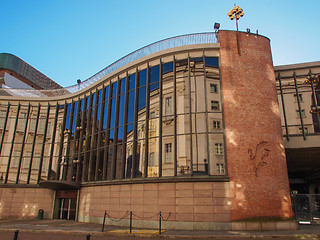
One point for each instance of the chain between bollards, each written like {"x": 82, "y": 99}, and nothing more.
{"x": 16, "y": 235}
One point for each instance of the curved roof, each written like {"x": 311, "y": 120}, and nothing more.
{"x": 26, "y": 71}
{"x": 15, "y": 64}
{"x": 183, "y": 40}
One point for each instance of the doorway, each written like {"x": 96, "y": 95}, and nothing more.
{"x": 66, "y": 205}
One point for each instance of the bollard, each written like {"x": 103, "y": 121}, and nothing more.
{"x": 16, "y": 235}
{"x": 104, "y": 220}
{"x": 160, "y": 222}
{"x": 88, "y": 237}
{"x": 130, "y": 221}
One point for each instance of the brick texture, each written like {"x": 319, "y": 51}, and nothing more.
{"x": 256, "y": 160}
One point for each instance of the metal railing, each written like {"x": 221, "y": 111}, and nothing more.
{"x": 178, "y": 41}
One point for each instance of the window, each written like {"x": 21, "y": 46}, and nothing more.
{"x": 220, "y": 168}
{"x": 151, "y": 160}
{"x": 216, "y": 125}
{"x": 168, "y": 153}
{"x": 306, "y": 131}
{"x": 2, "y": 118}
{"x": 41, "y": 125}
{"x": 214, "y": 105}
{"x": 218, "y": 149}
{"x": 303, "y": 113}
{"x": 22, "y": 122}
{"x": 213, "y": 88}
{"x": 168, "y": 107}
{"x": 300, "y": 97}
{"x": 152, "y": 120}
{"x": 15, "y": 158}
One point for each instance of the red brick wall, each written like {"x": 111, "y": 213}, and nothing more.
{"x": 256, "y": 161}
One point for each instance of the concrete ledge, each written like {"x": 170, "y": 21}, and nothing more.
{"x": 265, "y": 226}
{"x": 167, "y": 225}
{"x": 198, "y": 226}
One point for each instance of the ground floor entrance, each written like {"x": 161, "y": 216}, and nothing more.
{"x": 307, "y": 208}
{"x": 66, "y": 204}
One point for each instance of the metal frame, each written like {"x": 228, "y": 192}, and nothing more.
{"x": 190, "y": 117}
{"x": 66, "y": 161}
{"x": 88, "y": 135}
{"x": 106, "y": 144}
{"x": 146, "y": 141}
{"x": 52, "y": 140}
{"x": 91, "y": 171}
{"x": 116, "y": 125}
{"x": 135, "y": 126}
{"x": 4, "y": 126}
{"x": 160, "y": 117}
{"x": 125, "y": 128}
{"x": 299, "y": 105}
{"x": 206, "y": 107}
{"x": 23, "y": 142}
{"x": 34, "y": 142}
{"x": 43, "y": 144}
{"x": 80, "y": 146}
{"x": 12, "y": 143}
{"x": 75, "y": 140}
{"x": 102, "y": 106}
{"x": 283, "y": 108}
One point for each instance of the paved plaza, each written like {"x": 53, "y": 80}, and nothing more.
{"x": 30, "y": 229}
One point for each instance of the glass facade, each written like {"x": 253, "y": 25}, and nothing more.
{"x": 151, "y": 121}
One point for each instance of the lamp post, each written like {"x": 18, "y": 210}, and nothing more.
{"x": 236, "y": 13}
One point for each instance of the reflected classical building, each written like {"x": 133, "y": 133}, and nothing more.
{"x": 181, "y": 126}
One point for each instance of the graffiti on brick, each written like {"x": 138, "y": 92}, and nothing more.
{"x": 259, "y": 155}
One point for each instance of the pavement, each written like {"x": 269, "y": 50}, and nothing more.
{"x": 71, "y": 227}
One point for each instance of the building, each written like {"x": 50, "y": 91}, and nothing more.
{"x": 17, "y": 77}
{"x": 298, "y": 93}
{"x": 182, "y": 127}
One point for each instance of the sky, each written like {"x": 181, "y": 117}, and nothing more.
{"x": 74, "y": 39}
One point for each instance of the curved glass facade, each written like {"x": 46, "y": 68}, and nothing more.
{"x": 158, "y": 119}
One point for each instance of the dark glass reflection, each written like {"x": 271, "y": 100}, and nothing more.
{"x": 74, "y": 116}
{"x": 68, "y": 116}
{"x": 142, "y": 98}
{"x": 212, "y": 61}
{"x": 132, "y": 81}
{"x": 167, "y": 67}
{"x": 142, "y": 77}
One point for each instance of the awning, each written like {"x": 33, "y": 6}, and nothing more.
{"x": 60, "y": 185}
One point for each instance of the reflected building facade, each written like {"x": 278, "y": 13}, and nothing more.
{"x": 162, "y": 132}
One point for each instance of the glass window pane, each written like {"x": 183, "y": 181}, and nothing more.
{"x": 123, "y": 85}
{"x": 132, "y": 81}
{"x": 154, "y": 74}
{"x": 212, "y": 61}
{"x": 142, "y": 98}
{"x": 167, "y": 67}
{"x": 142, "y": 77}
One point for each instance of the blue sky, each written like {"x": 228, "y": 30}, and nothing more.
{"x": 74, "y": 39}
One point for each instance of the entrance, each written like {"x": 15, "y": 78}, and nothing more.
{"x": 307, "y": 208}
{"x": 66, "y": 204}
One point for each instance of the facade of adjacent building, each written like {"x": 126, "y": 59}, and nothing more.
{"x": 188, "y": 126}
{"x": 298, "y": 96}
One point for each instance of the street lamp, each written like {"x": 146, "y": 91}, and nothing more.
{"x": 236, "y": 13}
